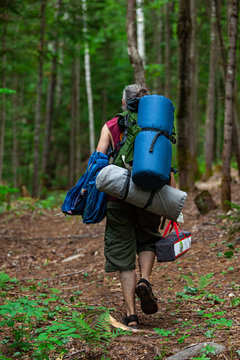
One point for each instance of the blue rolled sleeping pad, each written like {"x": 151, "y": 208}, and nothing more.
{"x": 84, "y": 198}
{"x": 152, "y": 147}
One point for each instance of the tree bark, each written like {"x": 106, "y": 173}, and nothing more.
{"x": 88, "y": 80}
{"x": 183, "y": 115}
{"x": 135, "y": 59}
{"x": 14, "y": 134}
{"x": 157, "y": 41}
{"x": 141, "y": 31}
{"x": 3, "y": 96}
{"x": 168, "y": 36}
{"x": 46, "y": 170}
{"x": 77, "y": 114}
{"x": 48, "y": 121}
{"x": 210, "y": 111}
{"x": 72, "y": 132}
{"x": 38, "y": 103}
{"x": 228, "y": 114}
{"x": 236, "y": 129}
{"x": 59, "y": 88}
{"x": 194, "y": 123}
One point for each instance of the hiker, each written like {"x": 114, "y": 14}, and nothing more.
{"x": 129, "y": 230}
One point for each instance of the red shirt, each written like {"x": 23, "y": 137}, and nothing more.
{"x": 114, "y": 129}
{"x": 116, "y": 134}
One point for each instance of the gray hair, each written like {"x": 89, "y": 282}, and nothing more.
{"x": 132, "y": 91}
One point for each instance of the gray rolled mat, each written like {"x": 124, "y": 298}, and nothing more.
{"x": 116, "y": 181}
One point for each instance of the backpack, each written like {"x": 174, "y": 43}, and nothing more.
{"x": 123, "y": 154}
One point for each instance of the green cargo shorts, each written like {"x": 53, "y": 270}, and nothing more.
{"x": 129, "y": 230}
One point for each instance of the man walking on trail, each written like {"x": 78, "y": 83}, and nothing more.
{"x": 129, "y": 231}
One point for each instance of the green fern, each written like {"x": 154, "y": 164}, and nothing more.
{"x": 98, "y": 335}
{"x": 205, "y": 281}
{"x": 188, "y": 280}
{"x": 102, "y": 323}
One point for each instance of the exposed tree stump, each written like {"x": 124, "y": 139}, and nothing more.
{"x": 204, "y": 202}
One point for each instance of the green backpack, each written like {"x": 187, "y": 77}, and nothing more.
{"x": 122, "y": 155}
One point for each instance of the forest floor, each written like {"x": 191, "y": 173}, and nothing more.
{"x": 198, "y": 295}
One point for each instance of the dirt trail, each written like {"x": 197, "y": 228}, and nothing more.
{"x": 37, "y": 246}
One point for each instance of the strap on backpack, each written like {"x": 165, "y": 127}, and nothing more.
{"x": 124, "y": 124}
{"x": 125, "y": 189}
{"x": 158, "y": 133}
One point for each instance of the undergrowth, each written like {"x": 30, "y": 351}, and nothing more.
{"x": 19, "y": 205}
{"x": 40, "y": 322}
{"x": 233, "y": 221}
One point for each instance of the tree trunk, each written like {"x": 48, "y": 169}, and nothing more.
{"x": 236, "y": 130}
{"x": 14, "y": 134}
{"x": 183, "y": 115}
{"x": 228, "y": 115}
{"x": 3, "y": 96}
{"x": 194, "y": 123}
{"x": 72, "y": 132}
{"x": 141, "y": 31}
{"x": 168, "y": 36}
{"x": 135, "y": 59}
{"x": 88, "y": 80}
{"x": 157, "y": 41}
{"x": 48, "y": 122}
{"x": 59, "y": 88}
{"x": 210, "y": 111}
{"x": 38, "y": 103}
{"x": 77, "y": 115}
{"x": 46, "y": 170}
{"x": 236, "y": 143}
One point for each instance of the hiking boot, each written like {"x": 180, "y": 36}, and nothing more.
{"x": 145, "y": 294}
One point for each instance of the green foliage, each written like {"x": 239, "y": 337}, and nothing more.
{"x": 7, "y": 91}
{"x": 29, "y": 330}
{"x": 233, "y": 221}
{"x": 22, "y": 204}
{"x": 235, "y": 302}
{"x": 163, "y": 332}
{"x": 197, "y": 284}
{"x": 5, "y": 192}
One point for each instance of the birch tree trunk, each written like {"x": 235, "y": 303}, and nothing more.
{"x": 135, "y": 59}
{"x": 3, "y": 97}
{"x": 88, "y": 80}
{"x": 38, "y": 103}
{"x": 141, "y": 31}
{"x": 183, "y": 115}
{"x": 228, "y": 115}
{"x": 210, "y": 111}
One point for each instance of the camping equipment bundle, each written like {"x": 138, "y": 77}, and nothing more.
{"x": 117, "y": 182}
{"x": 173, "y": 245}
{"x": 84, "y": 198}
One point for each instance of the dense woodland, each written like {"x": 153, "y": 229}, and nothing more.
{"x": 64, "y": 64}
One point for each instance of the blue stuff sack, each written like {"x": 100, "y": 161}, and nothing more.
{"x": 84, "y": 198}
{"x": 152, "y": 147}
